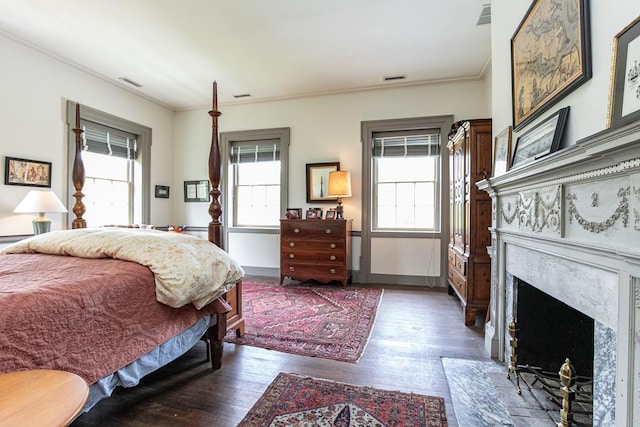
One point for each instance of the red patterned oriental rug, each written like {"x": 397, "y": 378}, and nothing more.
{"x": 322, "y": 321}
{"x": 292, "y": 400}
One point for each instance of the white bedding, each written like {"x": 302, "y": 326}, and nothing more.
{"x": 186, "y": 269}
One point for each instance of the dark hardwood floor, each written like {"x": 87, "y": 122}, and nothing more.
{"x": 415, "y": 327}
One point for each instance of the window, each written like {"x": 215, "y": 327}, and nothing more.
{"x": 256, "y": 183}
{"x": 116, "y": 156}
{"x": 255, "y": 177}
{"x": 406, "y": 180}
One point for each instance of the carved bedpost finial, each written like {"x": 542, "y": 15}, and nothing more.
{"x": 78, "y": 176}
{"x": 215, "y": 164}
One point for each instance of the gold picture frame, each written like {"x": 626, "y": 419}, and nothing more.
{"x": 550, "y": 56}
{"x": 624, "y": 88}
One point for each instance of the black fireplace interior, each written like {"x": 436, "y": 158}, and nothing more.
{"x": 550, "y": 331}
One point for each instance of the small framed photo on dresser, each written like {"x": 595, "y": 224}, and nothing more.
{"x": 331, "y": 214}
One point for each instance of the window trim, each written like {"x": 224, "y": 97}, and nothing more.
{"x": 144, "y": 141}
{"x": 367, "y": 130}
{"x": 226, "y": 138}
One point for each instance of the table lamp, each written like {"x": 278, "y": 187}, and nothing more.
{"x": 40, "y": 201}
{"x": 340, "y": 186}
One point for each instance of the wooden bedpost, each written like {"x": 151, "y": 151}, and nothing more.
{"x": 78, "y": 176}
{"x": 233, "y": 319}
{"x": 215, "y": 165}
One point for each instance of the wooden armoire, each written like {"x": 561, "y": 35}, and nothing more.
{"x": 469, "y": 271}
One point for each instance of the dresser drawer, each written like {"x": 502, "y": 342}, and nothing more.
{"x": 313, "y": 229}
{"x": 458, "y": 283}
{"x": 321, "y": 272}
{"x": 335, "y": 257}
{"x": 331, "y": 245}
{"x": 457, "y": 262}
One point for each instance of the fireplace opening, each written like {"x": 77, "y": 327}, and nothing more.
{"x": 549, "y": 331}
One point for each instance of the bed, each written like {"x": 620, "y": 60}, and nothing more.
{"x": 113, "y": 304}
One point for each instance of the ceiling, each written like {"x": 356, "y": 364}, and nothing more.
{"x": 270, "y": 49}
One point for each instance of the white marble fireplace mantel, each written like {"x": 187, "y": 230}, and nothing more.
{"x": 569, "y": 224}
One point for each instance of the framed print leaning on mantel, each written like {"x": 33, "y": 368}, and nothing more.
{"x": 502, "y": 152}
{"x": 550, "y": 56}
{"x": 541, "y": 140}
{"x": 624, "y": 92}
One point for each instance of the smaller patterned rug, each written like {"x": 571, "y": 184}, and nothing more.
{"x": 320, "y": 321}
{"x": 292, "y": 400}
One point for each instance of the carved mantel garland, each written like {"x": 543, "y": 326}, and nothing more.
{"x": 537, "y": 211}
{"x": 622, "y": 211}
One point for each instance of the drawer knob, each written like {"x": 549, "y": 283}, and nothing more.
{"x": 292, "y": 269}
{"x": 332, "y": 271}
{"x": 296, "y": 230}
{"x": 292, "y": 256}
{"x": 332, "y": 257}
{"x": 292, "y": 244}
{"x": 451, "y": 274}
{"x": 332, "y": 246}
{"x": 328, "y": 231}
{"x": 459, "y": 265}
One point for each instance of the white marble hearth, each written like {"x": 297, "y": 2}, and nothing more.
{"x": 569, "y": 225}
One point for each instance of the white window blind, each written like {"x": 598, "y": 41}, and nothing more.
{"x": 253, "y": 152}
{"x": 105, "y": 140}
{"x": 411, "y": 143}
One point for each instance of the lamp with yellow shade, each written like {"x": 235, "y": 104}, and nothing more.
{"x": 339, "y": 186}
{"x": 40, "y": 201}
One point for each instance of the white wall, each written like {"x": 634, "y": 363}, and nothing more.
{"x": 589, "y": 102}
{"x": 34, "y": 90}
{"x": 323, "y": 129}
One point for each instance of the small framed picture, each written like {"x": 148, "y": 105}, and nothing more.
{"x": 541, "y": 140}
{"x": 624, "y": 92}
{"x": 502, "y": 152}
{"x": 162, "y": 192}
{"x": 196, "y": 191}
{"x": 331, "y": 214}
{"x": 311, "y": 214}
{"x": 31, "y": 173}
{"x": 293, "y": 213}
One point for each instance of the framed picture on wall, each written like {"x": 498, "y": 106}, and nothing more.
{"x": 550, "y": 56}
{"x": 318, "y": 181}
{"x": 196, "y": 191}
{"x": 624, "y": 93}
{"x": 30, "y": 173}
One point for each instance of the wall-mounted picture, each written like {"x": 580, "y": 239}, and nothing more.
{"x": 196, "y": 191}
{"x": 293, "y": 213}
{"x": 32, "y": 173}
{"x": 550, "y": 56}
{"x": 624, "y": 93}
{"x": 502, "y": 152}
{"x": 162, "y": 192}
{"x": 543, "y": 139}
{"x": 318, "y": 181}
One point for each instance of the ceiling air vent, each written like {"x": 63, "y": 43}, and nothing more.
{"x": 131, "y": 82}
{"x": 392, "y": 78}
{"x": 243, "y": 95}
{"x": 485, "y": 15}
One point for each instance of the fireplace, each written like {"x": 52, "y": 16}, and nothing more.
{"x": 568, "y": 225}
{"x": 549, "y": 331}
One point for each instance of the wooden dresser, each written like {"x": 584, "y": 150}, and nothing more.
{"x": 315, "y": 249}
{"x": 470, "y": 161}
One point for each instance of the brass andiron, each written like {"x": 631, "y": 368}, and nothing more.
{"x": 568, "y": 379}
{"x": 513, "y": 364}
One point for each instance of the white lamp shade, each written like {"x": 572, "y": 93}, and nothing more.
{"x": 40, "y": 201}
{"x": 339, "y": 184}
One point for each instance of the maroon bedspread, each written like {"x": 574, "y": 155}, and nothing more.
{"x": 86, "y": 316}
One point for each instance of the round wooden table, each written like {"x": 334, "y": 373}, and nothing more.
{"x": 41, "y": 397}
